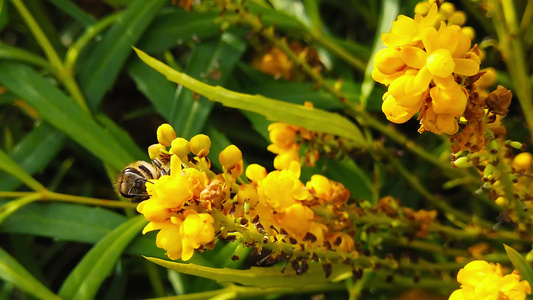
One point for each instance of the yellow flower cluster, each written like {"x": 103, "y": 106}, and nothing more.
{"x": 482, "y": 280}
{"x": 190, "y": 205}
{"x": 276, "y": 63}
{"x": 422, "y": 67}
{"x": 285, "y": 143}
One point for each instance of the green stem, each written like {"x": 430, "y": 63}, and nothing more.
{"x": 46, "y": 195}
{"x": 450, "y": 212}
{"x": 63, "y": 74}
{"x": 74, "y": 51}
{"x": 506, "y": 25}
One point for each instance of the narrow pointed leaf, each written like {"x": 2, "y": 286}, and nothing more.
{"x": 107, "y": 59}
{"x": 258, "y": 277}
{"x": 520, "y": 264}
{"x": 11, "y": 167}
{"x": 217, "y": 60}
{"x": 12, "y": 271}
{"x": 76, "y": 223}
{"x": 84, "y": 282}
{"x": 61, "y": 111}
{"x": 274, "y": 110}
{"x": 172, "y": 28}
{"x": 153, "y": 85}
{"x": 12, "y": 206}
{"x": 34, "y": 152}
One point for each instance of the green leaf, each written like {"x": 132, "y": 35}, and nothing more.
{"x": 520, "y": 264}
{"x": 61, "y": 111}
{"x": 274, "y": 110}
{"x": 4, "y": 13}
{"x": 85, "y": 280}
{"x": 217, "y": 62}
{"x": 34, "y": 152}
{"x": 176, "y": 27}
{"x": 12, "y": 271}
{"x": 12, "y": 206}
{"x": 154, "y": 86}
{"x": 389, "y": 12}
{"x": 74, "y": 11}
{"x": 73, "y": 222}
{"x": 122, "y": 137}
{"x": 259, "y": 277}
{"x": 14, "y": 53}
{"x": 108, "y": 57}
{"x": 11, "y": 167}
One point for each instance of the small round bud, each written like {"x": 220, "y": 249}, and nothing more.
{"x": 447, "y": 9}
{"x": 180, "y": 147}
{"x": 165, "y": 134}
{"x": 461, "y": 162}
{"x": 457, "y": 18}
{"x": 255, "y": 172}
{"x": 422, "y": 8}
{"x": 469, "y": 32}
{"x": 516, "y": 145}
{"x": 200, "y": 145}
{"x": 523, "y": 161}
{"x": 230, "y": 157}
{"x": 501, "y": 201}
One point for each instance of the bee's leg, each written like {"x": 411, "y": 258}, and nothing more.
{"x": 159, "y": 166}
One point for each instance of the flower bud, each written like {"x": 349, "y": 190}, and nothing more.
{"x": 200, "y": 145}
{"x": 181, "y": 147}
{"x": 165, "y": 134}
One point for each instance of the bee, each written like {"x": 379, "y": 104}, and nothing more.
{"x": 131, "y": 182}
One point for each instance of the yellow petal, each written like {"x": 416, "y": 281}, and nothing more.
{"x": 445, "y": 83}
{"x": 467, "y": 67}
{"x": 449, "y": 102}
{"x": 420, "y": 83}
{"x": 430, "y": 39}
{"x": 394, "y": 112}
{"x": 448, "y": 37}
{"x": 413, "y": 57}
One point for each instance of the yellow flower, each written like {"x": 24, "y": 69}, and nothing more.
{"x": 406, "y": 31}
{"x": 167, "y": 237}
{"x": 296, "y": 219}
{"x": 438, "y": 124}
{"x": 281, "y": 189}
{"x": 283, "y": 160}
{"x": 197, "y": 181}
{"x": 396, "y": 113}
{"x": 448, "y": 102}
{"x": 153, "y": 210}
{"x": 196, "y": 230}
{"x": 282, "y": 135}
{"x": 172, "y": 191}
{"x": 275, "y": 63}
{"x": 482, "y": 280}
{"x": 442, "y": 58}
{"x": 388, "y": 61}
